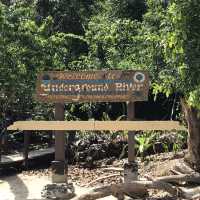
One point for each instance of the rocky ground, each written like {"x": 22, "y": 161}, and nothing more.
{"x": 28, "y": 184}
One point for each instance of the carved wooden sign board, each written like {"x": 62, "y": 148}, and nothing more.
{"x": 93, "y": 86}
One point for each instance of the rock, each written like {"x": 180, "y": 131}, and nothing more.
{"x": 115, "y": 148}
{"x": 82, "y": 144}
{"x": 58, "y": 191}
{"x": 130, "y": 171}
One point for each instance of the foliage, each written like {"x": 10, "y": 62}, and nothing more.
{"x": 144, "y": 142}
{"x": 26, "y": 48}
{"x": 129, "y": 9}
{"x": 170, "y": 141}
{"x": 112, "y": 31}
{"x": 180, "y": 141}
{"x": 165, "y": 42}
{"x": 179, "y": 38}
{"x": 157, "y": 142}
{"x": 69, "y": 16}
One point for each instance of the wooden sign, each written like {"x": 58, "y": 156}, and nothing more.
{"x": 93, "y": 86}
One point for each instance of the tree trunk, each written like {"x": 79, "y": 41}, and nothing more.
{"x": 193, "y": 121}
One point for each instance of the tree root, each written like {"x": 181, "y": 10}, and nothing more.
{"x": 183, "y": 167}
{"x": 96, "y": 193}
{"x": 184, "y": 184}
{"x": 191, "y": 178}
{"x": 140, "y": 188}
{"x": 102, "y": 178}
{"x": 113, "y": 169}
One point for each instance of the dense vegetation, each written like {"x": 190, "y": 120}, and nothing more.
{"x": 160, "y": 36}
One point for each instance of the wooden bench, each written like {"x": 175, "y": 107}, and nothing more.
{"x": 96, "y": 125}
{"x": 90, "y": 126}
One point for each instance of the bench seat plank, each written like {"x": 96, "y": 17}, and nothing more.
{"x": 96, "y": 125}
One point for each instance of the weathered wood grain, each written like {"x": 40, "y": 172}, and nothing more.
{"x": 96, "y": 125}
{"x": 93, "y": 86}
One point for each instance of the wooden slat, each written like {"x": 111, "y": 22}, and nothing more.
{"x": 96, "y": 125}
{"x": 138, "y": 125}
{"x": 52, "y": 125}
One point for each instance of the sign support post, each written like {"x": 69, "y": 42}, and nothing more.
{"x": 59, "y": 165}
{"x": 131, "y": 168}
{"x": 131, "y": 134}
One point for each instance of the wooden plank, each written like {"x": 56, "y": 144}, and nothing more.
{"x": 131, "y": 134}
{"x": 97, "y": 125}
{"x": 138, "y": 125}
{"x": 52, "y": 125}
{"x": 93, "y": 86}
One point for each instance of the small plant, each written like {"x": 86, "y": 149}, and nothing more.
{"x": 165, "y": 147}
{"x": 144, "y": 142}
{"x": 181, "y": 139}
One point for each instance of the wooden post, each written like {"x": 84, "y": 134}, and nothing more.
{"x": 26, "y": 148}
{"x": 59, "y": 136}
{"x": 59, "y": 167}
{"x": 0, "y": 147}
{"x": 5, "y": 142}
{"x": 50, "y": 143}
{"x": 131, "y": 168}
{"x": 131, "y": 134}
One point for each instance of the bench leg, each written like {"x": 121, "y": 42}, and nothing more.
{"x": 131, "y": 168}
{"x": 0, "y": 147}
{"x": 131, "y": 134}
{"x": 26, "y": 148}
{"x": 59, "y": 166}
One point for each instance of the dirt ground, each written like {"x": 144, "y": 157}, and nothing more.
{"x": 28, "y": 185}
